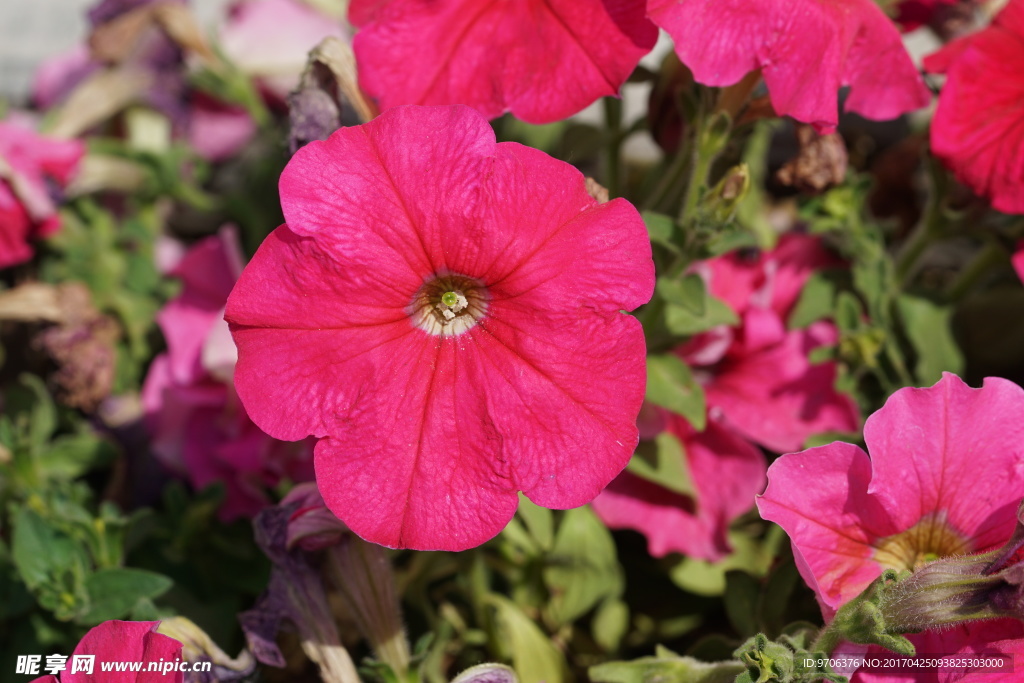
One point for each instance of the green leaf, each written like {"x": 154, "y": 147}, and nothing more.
{"x": 709, "y": 578}
{"x": 663, "y": 462}
{"x": 539, "y": 522}
{"x": 610, "y": 623}
{"x": 927, "y": 326}
{"x": 689, "y": 292}
{"x": 660, "y": 228}
{"x": 114, "y": 592}
{"x": 816, "y": 302}
{"x": 582, "y": 567}
{"x": 68, "y": 457}
{"x": 534, "y": 656}
{"x": 665, "y": 670}
{"x": 682, "y": 322}
{"x": 848, "y": 312}
{"x": 41, "y": 550}
{"x": 671, "y": 385}
{"x": 741, "y": 598}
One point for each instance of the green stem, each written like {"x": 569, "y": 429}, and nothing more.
{"x": 827, "y": 640}
{"x": 613, "y": 122}
{"x": 990, "y": 255}
{"x": 670, "y": 179}
{"x": 925, "y": 232}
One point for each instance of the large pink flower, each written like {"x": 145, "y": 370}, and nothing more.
{"x": 123, "y": 641}
{"x": 200, "y": 429}
{"x": 978, "y": 129}
{"x": 27, "y": 162}
{"x": 806, "y": 49}
{"x": 445, "y": 314}
{"x": 757, "y": 377}
{"x": 726, "y": 472}
{"x": 944, "y": 477}
{"x": 543, "y": 60}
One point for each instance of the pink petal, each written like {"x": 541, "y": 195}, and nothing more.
{"x": 774, "y": 396}
{"x": 136, "y": 641}
{"x": 543, "y": 61}
{"x": 951, "y": 448}
{"x": 1018, "y": 262}
{"x": 727, "y": 473}
{"x": 806, "y": 49}
{"x": 978, "y": 128}
{"x": 820, "y": 497}
{"x": 216, "y": 131}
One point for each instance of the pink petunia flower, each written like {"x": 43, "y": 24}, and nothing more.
{"x": 200, "y": 429}
{"x": 1018, "y": 260}
{"x": 806, "y": 49}
{"x": 978, "y": 129}
{"x": 445, "y": 314}
{"x": 543, "y": 61}
{"x": 29, "y": 163}
{"x": 944, "y": 478}
{"x": 757, "y": 377}
{"x": 726, "y": 472}
{"x": 122, "y": 641}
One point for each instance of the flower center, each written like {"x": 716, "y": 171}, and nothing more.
{"x": 931, "y": 538}
{"x": 448, "y": 305}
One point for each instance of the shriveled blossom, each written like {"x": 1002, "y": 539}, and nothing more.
{"x": 944, "y": 478}
{"x": 757, "y": 377}
{"x": 543, "y": 61}
{"x": 123, "y": 641}
{"x": 978, "y": 128}
{"x": 200, "y": 429}
{"x": 32, "y": 168}
{"x": 806, "y": 50}
{"x": 445, "y": 314}
{"x": 726, "y": 472}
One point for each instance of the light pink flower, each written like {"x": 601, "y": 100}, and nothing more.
{"x": 27, "y": 162}
{"x": 806, "y": 50}
{"x": 944, "y": 477}
{"x": 726, "y": 472}
{"x": 123, "y": 641}
{"x": 271, "y": 40}
{"x": 543, "y": 61}
{"x": 444, "y": 314}
{"x": 978, "y": 129}
{"x": 200, "y": 429}
{"x": 757, "y": 377}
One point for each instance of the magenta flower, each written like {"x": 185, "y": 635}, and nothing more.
{"x": 726, "y": 472}
{"x": 978, "y": 129}
{"x": 445, "y": 314}
{"x": 123, "y": 641}
{"x": 1018, "y": 260}
{"x": 30, "y": 164}
{"x": 543, "y": 61}
{"x": 757, "y": 377}
{"x": 200, "y": 429}
{"x": 806, "y": 49}
{"x": 944, "y": 478}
